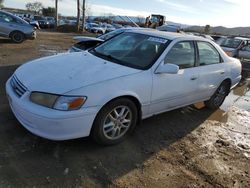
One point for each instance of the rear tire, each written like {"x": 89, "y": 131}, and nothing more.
{"x": 219, "y": 96}
{"x": 17, "y": 37}
{"x": 114, "y": 122}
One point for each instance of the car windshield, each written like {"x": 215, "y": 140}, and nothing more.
{"x": 110, "y": 34}
{"x": 39, "y": 18}
{"x": 231, "y": 43}
{"x": 134, "y": 50}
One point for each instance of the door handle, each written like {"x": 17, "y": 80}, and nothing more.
{"x": 193, "y": 78}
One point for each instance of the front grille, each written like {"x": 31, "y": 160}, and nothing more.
{"x": 17, "y": 86}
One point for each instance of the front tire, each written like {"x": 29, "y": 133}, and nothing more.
{"x": 219, "y": 96}
{"x": 114, "y": 122}
{"x": 17, "y": 37}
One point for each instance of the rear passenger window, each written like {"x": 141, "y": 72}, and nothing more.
{"x": 208, "y": 55}
{"x": 182, "y": 54}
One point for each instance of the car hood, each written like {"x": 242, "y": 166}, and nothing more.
{"x": 65, "y": 72}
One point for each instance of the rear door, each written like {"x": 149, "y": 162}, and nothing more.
{"x": 212, "y": 69}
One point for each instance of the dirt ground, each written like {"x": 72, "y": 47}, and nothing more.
{"x": 187, "y": 147}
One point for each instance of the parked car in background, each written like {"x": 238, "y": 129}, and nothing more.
{"x": 43, "y": 23}
{"x": 35, "y": 24}
{"x": 51, "y": 21}
{"x": 88, "y": 26}
{"x": 217, "y": 37}
{"x": 117, "y": 26}
{"x": 220, "y": 39}
{"x": 95, "y": 28}
{"x": 100, "y": 29}
{"x": 232, "y": 45}
{"x": 15, "y": 28}
{"x": 244, "y": 52}
{"x": 109, "y": 28}
{"x": 27, "y": 18}
{"x": 85, "y": 43}
{"x": 106, "y": 91}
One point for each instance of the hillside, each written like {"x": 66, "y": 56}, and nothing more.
{"x": 223, "y": 30}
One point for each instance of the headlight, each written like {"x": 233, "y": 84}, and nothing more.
{"x": 58, "y": 102}
{"x": 69, "y": 103}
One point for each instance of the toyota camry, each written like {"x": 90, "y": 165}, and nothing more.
{"x": 104, "y": 92}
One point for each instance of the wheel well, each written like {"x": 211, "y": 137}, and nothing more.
{"x": 229, "y": 83}
{"x": 14, "y": 32}
{"x": 135, "y": 101}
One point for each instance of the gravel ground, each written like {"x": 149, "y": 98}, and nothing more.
{"x": 187, "y": 147}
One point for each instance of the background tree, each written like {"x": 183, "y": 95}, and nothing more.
{"x": 207, "y": 29}
{"x": 86, "y": 12}
{"x": 50, "y": 11}
{"x": 36, "y": 7}
{"x": 1, "y": 3}
{"x": 78, "y": 15}
{"x": 83, "y": 14}
{"x": 56, "y": 13}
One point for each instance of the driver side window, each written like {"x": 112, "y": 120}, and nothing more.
{"x": 182, "y": 54}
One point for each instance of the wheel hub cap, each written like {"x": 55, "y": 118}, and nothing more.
{"x": 117, "y": 122}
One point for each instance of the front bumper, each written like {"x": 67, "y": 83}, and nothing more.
{"x": 49, "y": 123}
{"x": 31, "y": 35}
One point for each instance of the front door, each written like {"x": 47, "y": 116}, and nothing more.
{"x": 173, "y": 90}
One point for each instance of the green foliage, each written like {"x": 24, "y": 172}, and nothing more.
{"x": 36, "y": 6}
{"x": 50, "y": 11}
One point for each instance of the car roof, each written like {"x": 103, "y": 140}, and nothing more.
{"x": 7, "y": 12}
{"x": 167, "y": 35}
{"x": 242, "y": 38}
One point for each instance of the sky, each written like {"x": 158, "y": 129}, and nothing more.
{"x": 229, "y": 13}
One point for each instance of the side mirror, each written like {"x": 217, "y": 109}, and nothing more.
{"x": 167, "y": 69}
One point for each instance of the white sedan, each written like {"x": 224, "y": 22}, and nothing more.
{"x": 105, "y": 91}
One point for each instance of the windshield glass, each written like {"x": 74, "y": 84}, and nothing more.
{"x": 231, "y": 43}
{"x": 132, "y": 49}
{"x": 110, "y": 34}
